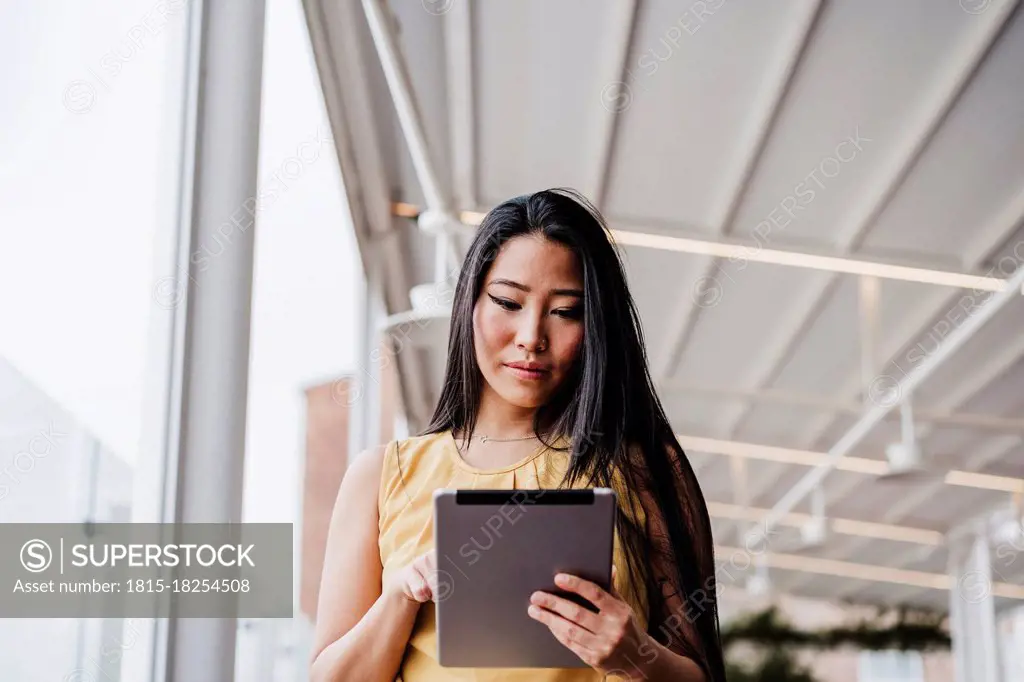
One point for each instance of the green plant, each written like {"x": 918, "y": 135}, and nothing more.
{"x": 776, "y": 640}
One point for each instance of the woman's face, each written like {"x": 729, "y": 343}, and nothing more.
{"x": 528, "y": 320}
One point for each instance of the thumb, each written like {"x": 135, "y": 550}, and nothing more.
{"x": 615, "y": 590}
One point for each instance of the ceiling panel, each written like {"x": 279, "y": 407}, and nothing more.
{"x": 674, "y": 160}
{"x": 938, "y": 512}
{"x": 698, "y": 87}
{"x": 538, "y": 93}
{"x": 746, "y": 309}
{"x": 844, "y": 92}
{"x": 823, "y": 354}
{"x": 941, "y": 213}
{"x": 655, "y": 298}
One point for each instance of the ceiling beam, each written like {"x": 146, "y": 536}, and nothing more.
{"x": 1002, "y": 228}
{"x": 860, "y": 529}
{"x": 905, "y": 506}
{"x": 396, "y": 73}
{"x": 755, "y": 138}
{"x": 825, "y": 403}
{"x": 631, "y": 235}
{"x": 923, "y": 319}
{"x": 837, "y": 265}
{"x": 458, "y": 38}
{"x": 622, "y": 17}
{"x": 966, "y": 62}
{"x": 726, "y": 557}
{"x": 904, "y": 388}
{"x": 855, "y": 465}
{"x": 992, "y": 368}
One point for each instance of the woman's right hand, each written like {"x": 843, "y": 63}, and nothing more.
{"x": 420, "y": 581}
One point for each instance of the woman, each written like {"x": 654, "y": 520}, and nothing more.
{"x": 546, "y": 386}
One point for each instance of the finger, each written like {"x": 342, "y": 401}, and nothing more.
{"x": 571, "y": 611}
{"x": 582, "y": 642}
{"x": 592, "y": 592}
{"x": 419, "y": 587}
{"x": 430, "y": 561}
{"x": 615, "y": 590}
{"x": 431, "y": 579}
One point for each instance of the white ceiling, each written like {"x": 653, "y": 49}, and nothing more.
{"x": 721, "y": 118}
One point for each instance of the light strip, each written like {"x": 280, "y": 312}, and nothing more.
{"x": 970, "y": 479}
{"x": 848, "y": 266}
{"x": 770, "y": 453}
{"x": 846, "y": 569}
{"x": 884, "y": 531}
{"x": 860, "y": 465}
{"x": 757, "y": 254}
{"x": 880, "y": 531}
{"x": 825, "y": 403}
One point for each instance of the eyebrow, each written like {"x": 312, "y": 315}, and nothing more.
{"x": 523, "y": 287}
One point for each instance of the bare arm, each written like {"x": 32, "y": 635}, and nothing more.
{"x": 361, "y": 629}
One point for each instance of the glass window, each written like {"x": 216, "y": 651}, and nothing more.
{"x": 88, "y": 184}
{"x": 304, "y": 314}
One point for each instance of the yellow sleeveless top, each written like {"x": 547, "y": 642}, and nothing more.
{"x": 405, "y": 504}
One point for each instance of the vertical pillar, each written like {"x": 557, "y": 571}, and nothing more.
{"x": 365, "y": 393}
{"x": 972, "y": 612}
{"x": 355, "y": 396}
{"x": 957, "y": 624}
{"x": 219, "y": 205}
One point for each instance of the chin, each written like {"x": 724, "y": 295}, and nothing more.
{"x": 524, "y": 399}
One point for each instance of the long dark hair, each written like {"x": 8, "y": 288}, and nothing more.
{"x": 610, "y": 411}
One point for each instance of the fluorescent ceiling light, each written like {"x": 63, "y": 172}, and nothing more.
{"x": 757, "y": 254}
{"x": 846, "y": 569}
{"x": 879, "y": 531}
{"x": 859, "y": 465}
{"x": 849, "y": 266}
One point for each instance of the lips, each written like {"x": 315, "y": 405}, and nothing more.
{"x": 528, "y": 370}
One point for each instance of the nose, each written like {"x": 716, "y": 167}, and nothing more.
{"x": 530, "y": 332}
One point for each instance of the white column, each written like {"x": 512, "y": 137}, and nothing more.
{"x": 219, "y": 205}
{"x": 957, "y": 624}
{"x": 355, "y": 395}
{"x": 972, "y": 612}
{"x": 363, "y": 397}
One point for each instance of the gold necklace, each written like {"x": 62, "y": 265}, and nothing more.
{"x": 484, "y": 439}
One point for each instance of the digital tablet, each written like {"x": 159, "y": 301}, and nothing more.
{"x": 497, "y": 547}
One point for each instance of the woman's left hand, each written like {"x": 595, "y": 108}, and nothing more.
{"x": 609, "y": 641}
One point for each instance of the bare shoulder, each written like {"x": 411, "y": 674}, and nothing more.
{"x": 361, "y": 480}
{"x": 368, "y": 464}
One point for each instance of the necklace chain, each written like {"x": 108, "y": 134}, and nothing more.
{"x": 484, "y": 439}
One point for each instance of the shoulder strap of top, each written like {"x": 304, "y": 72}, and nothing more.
{"x": 390, "y": 478}
{"x": 408, "y": 466}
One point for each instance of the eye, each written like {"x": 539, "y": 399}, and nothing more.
{"x": 573, "y": 313}
{"x": 505, "y": 303}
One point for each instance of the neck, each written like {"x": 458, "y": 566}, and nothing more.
{"x": 497, "y": 418}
